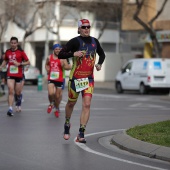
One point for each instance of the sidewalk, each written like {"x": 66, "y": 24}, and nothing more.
{"x": 125, "y": 142}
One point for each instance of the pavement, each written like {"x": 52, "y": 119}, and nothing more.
{"x": 124, "y": 141}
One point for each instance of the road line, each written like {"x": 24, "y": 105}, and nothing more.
{"x": 84, "y": 147}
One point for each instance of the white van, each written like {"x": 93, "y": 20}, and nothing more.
{"x": 143, "y": 75}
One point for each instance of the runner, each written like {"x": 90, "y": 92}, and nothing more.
{"x": 3, "y": 74}
{"x": 54, "y": 68}
{"x": 18, "y": 105}
{"x": 16, "y": 59}
{"x": 83, "y": 50}
{"x": 24, "y": 68}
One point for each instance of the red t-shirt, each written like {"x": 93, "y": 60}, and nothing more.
{"x": 19, "y": 56}
{"x": 56, "y": 71}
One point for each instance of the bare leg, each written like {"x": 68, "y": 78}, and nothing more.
{"x": 69, "y": 108}
{"x": 51, "y": 92}
{"x": 58, "y": 93}
{"x": 85, "y": 114}
{"x": 11, "y": 85}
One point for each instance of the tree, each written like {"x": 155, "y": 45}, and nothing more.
{"x": 3, "y": 26}
{"x": 25, "y": 14}
{"x": 149, "y": 26}
{"x": 107, "y": 14}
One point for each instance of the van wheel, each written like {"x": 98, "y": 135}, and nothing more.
{"x": 142, "y": 89}
{"x": 119, "y": 87}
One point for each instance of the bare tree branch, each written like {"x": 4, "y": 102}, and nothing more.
{"x": 158, "y": 13}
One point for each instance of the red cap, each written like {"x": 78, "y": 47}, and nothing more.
{"x": 82, "y": 22}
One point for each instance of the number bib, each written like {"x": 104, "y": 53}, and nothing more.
{"x": 4, "y": 69}
{"x": 54, "y": 75}
{"x": 13, "y": 69}
{"x": 81, "y": 84}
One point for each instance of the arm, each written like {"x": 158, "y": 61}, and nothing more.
{"x": 66, "y": 65}
{"x": 70, "y": 49}
{"x": 101, "y": 56}
{"x": 3, "y": 64}
{"x": 24, "y": 63}
{"x": 47, "y": 66}
{"x": 100, "y": 52}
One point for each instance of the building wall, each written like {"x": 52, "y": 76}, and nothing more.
{"x": 128, "y": 9}
{"x": 151, "y": 7}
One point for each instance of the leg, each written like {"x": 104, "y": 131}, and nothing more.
{"x": 51, "y": 90}
{"x": 3, "y": 85}
{"x": 18, "y": 89}
{"x": 73, "y": 96}
{"x": 85, "y": 114}
{"x": 11, "y": 85}
{"x": 57, "y": 98}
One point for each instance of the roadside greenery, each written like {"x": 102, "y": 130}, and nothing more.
{"x": 156, "y": 133}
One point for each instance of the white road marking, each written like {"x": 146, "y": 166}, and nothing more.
{"x": 84, "y": 147}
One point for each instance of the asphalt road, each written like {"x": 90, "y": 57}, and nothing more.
{"x": 33, "y": 139}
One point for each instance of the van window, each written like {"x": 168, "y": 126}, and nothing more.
{"x": 157, "y": 65}
{"x": 127, "y": 68}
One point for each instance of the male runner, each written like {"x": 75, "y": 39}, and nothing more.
{"x": 16, "y": 59}
{"x": 83, "y": 50}
{"x": 54, "y": 67}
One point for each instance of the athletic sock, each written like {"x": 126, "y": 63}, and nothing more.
{"x": 67, "y": 120}
{"x": 82, "y": 128}
{"x": 10, "y": 107}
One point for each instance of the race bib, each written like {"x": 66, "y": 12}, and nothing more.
{"x": 81, "y": 84}
{"x": 13, "y": 69}
{"x": 54, "y": 75}
{"x": 4, "y": 69}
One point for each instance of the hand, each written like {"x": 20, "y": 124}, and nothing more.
{"x": 78, "y": 54}
{"x": 16, "y": 63}
{"x": 98, "y": 67}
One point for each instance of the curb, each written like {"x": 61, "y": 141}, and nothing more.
{"x": 125, "y": 142}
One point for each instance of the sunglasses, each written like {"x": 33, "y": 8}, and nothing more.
{"x": 84, "y": 27}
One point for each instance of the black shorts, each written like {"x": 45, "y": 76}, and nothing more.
{"x": 3, "y": 75}
{"x": 23, "y": 77}
{"x": 17, "y": 79}
{"x": 56, "y": 83}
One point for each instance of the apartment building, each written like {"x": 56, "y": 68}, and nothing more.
{"x": 161, "y": 24}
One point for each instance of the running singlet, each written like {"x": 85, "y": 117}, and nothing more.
{"x": 83, "y": 66}
{"x": 56, "y": 73}
{"x": 19, "y": 56}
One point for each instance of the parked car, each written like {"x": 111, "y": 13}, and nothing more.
{"x": 31, "y": 74}
{"x": 144, "y": 75}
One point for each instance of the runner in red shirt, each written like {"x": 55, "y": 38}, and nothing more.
{"x": 16, "y": 59}
{"x": 54, "y": 67}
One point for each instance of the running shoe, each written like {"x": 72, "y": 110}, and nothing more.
{"x": 66, "y": 131}
{"x": 10, "y": 113}
{"x": 56, "y": 113}
{"x": 80, "y": 138}
{"x": 50, "y": 108}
